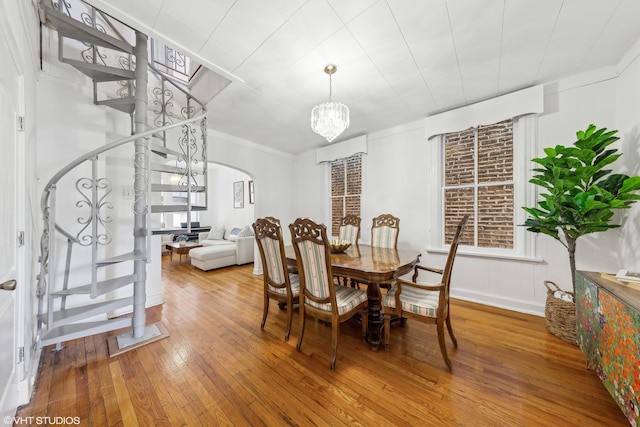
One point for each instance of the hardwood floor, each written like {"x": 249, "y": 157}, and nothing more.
{"x": 218, "y": 368}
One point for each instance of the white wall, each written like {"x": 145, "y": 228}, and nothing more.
{"x": 310, "y": 191}
{"x": 221, "y": 210}
{"x": 628, "y": 121}
{"x": 271, "y": 171}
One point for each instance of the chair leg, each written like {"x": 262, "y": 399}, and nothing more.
{"x": 289, "y": 319}
{"x": 450, "y": 329}
{"x": 443, "y": 347}
{"x": 335, "y": 331}
{"x": 302, "y": 323}
{"x": 387, "y": 330}
{"x": 265, "y": 311}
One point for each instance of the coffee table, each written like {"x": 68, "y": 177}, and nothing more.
{"x": 181, "y": 249}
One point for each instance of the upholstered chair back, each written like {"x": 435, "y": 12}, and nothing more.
{"x": 384, "y": 231}
{"x": 314, "y": 262}
{"x": 350, "y": 229}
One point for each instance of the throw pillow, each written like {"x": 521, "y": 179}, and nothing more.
{"x": 233, "y": 235}
{"x": 246, "y": 232}
{"x": 216, "y": 233}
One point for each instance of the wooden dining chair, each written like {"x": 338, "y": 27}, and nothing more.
{"x": 424, "y": 302}
{"x": 319, "y": 296}
{"x": 384, "y": 231}
{"x": 384, "y": 234}
{"x": 292, "y": 269}
{"x": 272, "y": 219}
{"x": 350, "y": 229}
{"x": 279, "y": 285}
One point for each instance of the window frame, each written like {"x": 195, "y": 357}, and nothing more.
{"x": 346, "y": 186}
{"x": 524, "y": 145}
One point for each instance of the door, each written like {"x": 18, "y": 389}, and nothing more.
{"x": 9, "y": 83}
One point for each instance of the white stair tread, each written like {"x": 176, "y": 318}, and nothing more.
{"x": 104, "y": 286}
{"x": 85, "y": 329}
{"x": 129, "y": 256}
{"x": 76, "y": 314}
{"x": 161, "y": 149}
{"x": 78, "y": 30}
{"x": 175, "y": 208}
{"x": 176, "y": 188}
{"x": 126, "y": 104}
{"x": 100, "y": 73}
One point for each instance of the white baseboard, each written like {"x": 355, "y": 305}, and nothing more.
{"x": 520, "y": 306}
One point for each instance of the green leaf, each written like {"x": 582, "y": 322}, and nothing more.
{"x": 631, "y": 184}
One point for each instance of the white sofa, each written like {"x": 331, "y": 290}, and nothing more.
{"x": 223, "y": 247}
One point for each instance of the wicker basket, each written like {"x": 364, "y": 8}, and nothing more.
{"x": 560, "y": 315}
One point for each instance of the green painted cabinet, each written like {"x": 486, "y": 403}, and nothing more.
{"x": 608, "y": 332}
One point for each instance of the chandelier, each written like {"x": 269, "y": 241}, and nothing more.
{"x": 330, "y": 119}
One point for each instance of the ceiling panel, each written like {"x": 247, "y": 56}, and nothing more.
{"x": 208, "y": 17}
{"x": 347, "y": 10}
{"x": 398, "y": 60}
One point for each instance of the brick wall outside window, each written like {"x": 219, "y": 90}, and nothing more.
{"x": 346, "y": 189}
{"x": 478, "y": 179}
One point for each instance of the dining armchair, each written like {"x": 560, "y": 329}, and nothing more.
{"x": 279, "y": 285}
{"x": 319, "y": 296}
{"x": 424, "y": 302}
{"x": 384, "y": 231}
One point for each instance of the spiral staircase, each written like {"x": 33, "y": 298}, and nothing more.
{"x": 84, "y": 275}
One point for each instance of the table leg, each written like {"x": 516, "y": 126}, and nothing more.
{"x": 376, "y": 317}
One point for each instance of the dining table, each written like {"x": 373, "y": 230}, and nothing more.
{"x": 373, "y": 267}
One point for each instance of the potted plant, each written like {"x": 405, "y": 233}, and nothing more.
{"x": 182, "y": 239}
{"x": 579, "y": 192}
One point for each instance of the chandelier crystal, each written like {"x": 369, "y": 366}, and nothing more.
{"x": 330, "y": 119}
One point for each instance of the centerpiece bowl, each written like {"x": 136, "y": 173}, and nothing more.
{"x": 338, "y": 246}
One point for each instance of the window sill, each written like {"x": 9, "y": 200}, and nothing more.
{"x": 490, "y": 255}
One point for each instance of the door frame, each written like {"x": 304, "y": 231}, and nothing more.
{"x": 19, "y": 29}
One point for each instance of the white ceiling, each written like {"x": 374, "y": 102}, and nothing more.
{"x": 398, "y": 60}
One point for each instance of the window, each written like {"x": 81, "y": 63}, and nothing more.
{"x": 170, "y": 61}
{"x": 486, "y": 174}
{"x": 346, "y": 189}
{"x": 179, "y": 217}
{"x": 478, "y": 179}
{"x": 485, "y": 171}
